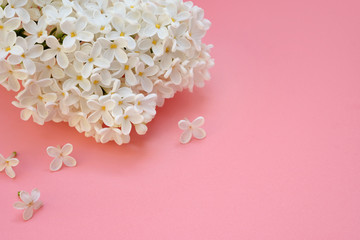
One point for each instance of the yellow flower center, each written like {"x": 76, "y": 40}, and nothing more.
{"x": 63, "y": 94}
{"x": 131, "y": 6}
{"x": 113, "y": 46}
{"x": 79, "y": 78}
{"x": 90, "y": 60}
{"x": 1, "y": 27}
{"x": 154, "y": 42}
{"x": 73, "y": 34}
{"x": 158, "y": 26}
{"x": 138, "y": 103}
{"x": 102, "y": 28}
{"x": 140, "y": 74}
{"x": 96, "y": 82}
{"x": 7, "y": 49}
{"x": 40, "y": 98}
{"x": 126, "y": 117}
{"x": 122, "y": 34}
{"x": 48, "y": 67}
{"x": 127, "y": 67}
{"x": 103, "y": 108}
{"x": 120, "y": 102}
{"x": 167, "y": 50}
{"x": 23, "y": 55}
{"x": 40, "y": 34}
{"x": 172, "y": 19}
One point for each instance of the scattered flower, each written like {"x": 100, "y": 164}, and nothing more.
{"x": 8, "y": 163}
{"x": 29, "y": 203}
{"x": 192, "y": 129}
{"x": 61, "y": 155}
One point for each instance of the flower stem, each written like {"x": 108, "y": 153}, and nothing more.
{"x": 14, "y": 154}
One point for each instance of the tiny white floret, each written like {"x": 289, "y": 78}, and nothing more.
{"x": 61, "y": 155}
{"x": 192, "y": 129}
{"x": 7, "y": 164}
{"x": 29, "y": 203}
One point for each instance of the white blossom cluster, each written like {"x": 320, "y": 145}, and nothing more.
{"x": 101, "y": 65}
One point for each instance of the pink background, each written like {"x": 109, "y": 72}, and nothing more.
{"x": 281, "y": 160}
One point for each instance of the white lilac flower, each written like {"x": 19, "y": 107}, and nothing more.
{"x": 79, "y": 121}
{"x": 91, "y": 60}
{"x": 153, "y": 43}
{"x": 156, "y": 25}
{"x": 130, "y": 116}
{"x": 61, "y": 156}
{"x": 8, "y": 46}
{"x": 9, "y": 77}
{"x": 54, "y": 16}
{"x": 38, "y": 98}
{"x": 37, "y": 30}
{"x": 112, "y": 134}
{"x": 177, "y": 15}
{"x": 101, "y": 110}
{"x": 127, "y": 70}
{"x": 63, "y": 98}
{"x": 180, "y": 42}
{"x": 96, "y": 81}
{"x": 175, "y": 72}
{"x": 167, "y": 57}
{"x": 16, "y": 7}
{"x": 143, "y": 56}
{"x": 28, "y": 112}
{"x": 29, "y": 203}
{"x": 75, "y": 78}
{"x": 75, "y": 31}
{"x": 143, "y": 74}
{"x": 115, "y": 49}
{"x": 192, "y": 129}
{"x": 8, "y": 163}
{"x": 31, "y": 51}
{"x": 146, "y": 103}
{"x": 163, "y": 91}
{"x": 196, "y": 33}
{"x": 56, "y": 50}
{"x": 100, "y": 23}
{"x": 9, "y": 25}
{"x": 124, "y": 97}
{"x": 124, "y": 30}
{"x": 49, "y": 69}
{"x": 106, "y": 78}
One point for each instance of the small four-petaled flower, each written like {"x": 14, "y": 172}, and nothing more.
{"x": 8, "y": 163}
{"x": 61, "y": 155}
{"x": 192, "y": 129}
{"x": 29, "y": 203}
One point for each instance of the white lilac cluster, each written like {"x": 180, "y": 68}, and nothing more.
{"x": 101, "y": 65}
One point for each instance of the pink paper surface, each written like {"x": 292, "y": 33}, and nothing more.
{"x": 281, "y": 160}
